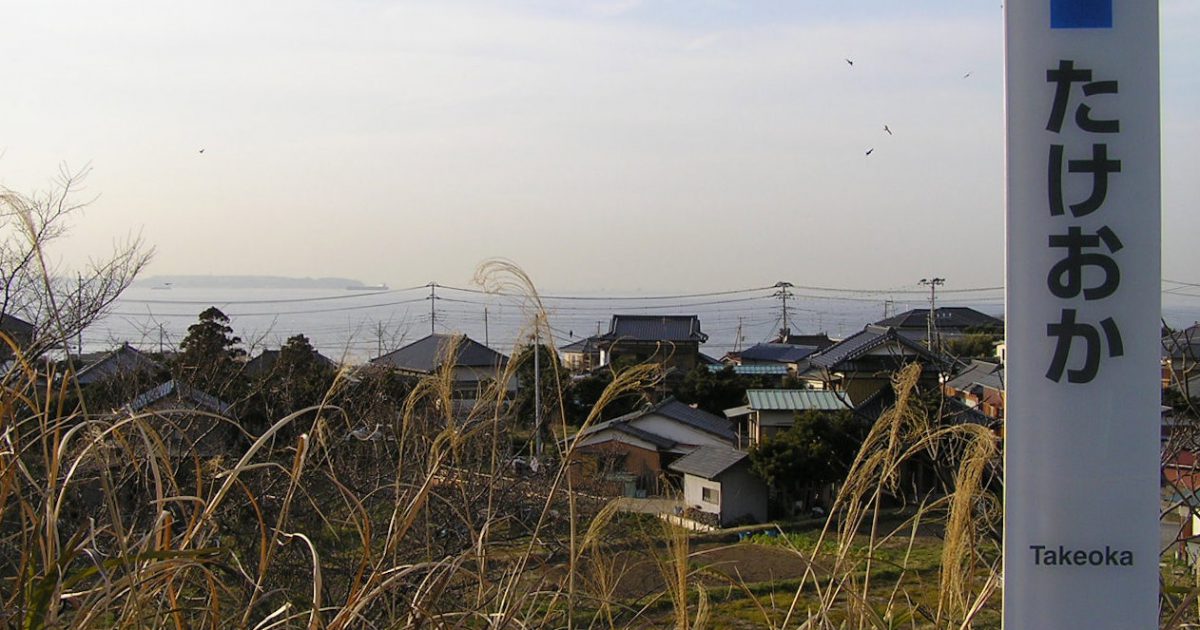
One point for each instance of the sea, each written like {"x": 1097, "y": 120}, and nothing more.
{"x": 354, "y": 326}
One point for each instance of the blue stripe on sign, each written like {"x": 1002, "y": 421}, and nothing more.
{"x": 1081, "y": 13}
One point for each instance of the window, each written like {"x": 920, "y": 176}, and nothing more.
{"x": 711, "y": 495}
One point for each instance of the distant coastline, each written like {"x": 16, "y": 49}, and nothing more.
{"x": 251, "y": 282}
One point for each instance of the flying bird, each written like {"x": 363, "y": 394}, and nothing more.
{"x": 889, "y": 131}
{"x": 850, "y": 62}
{"x": 966, "y": 75}
{"x": 870, "y": 151}
{"x": 202, "y": 150}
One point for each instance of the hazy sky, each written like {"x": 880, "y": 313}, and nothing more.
{"x": 623, "y": 145}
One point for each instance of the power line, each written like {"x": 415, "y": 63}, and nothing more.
{"x": 612, "y": 297}
{"x": 269, "y": 313}
{"x": 279, "y": 301}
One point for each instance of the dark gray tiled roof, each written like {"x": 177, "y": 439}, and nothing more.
{"x": 861, "y": 343}
{"x": 428, "y": 354}
{"x": 945, "y": 318}
{"x": 622, "y": 425}
{"x": 124, "y": 360}
{"x": 819, "y": 341}
{"x": 675, "y": 328}
{"x": 708, "y": 461}
{"x": 777, "y": 352}
{"x": 984, "y": 373}
{"x": 955, "y": 412}
{"x": 265, "y": 361}
{"x": 1183, "y": 344}
{"x": 14, "y": 325}
{"x": 697, "y": 418}
{"x": 653, "y": 438}
{"x": 585, "y": 346}
{"x": 183, "y": 391}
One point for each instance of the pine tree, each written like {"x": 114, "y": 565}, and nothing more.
{"x": 210, "y": 354}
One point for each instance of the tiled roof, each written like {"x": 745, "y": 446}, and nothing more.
{"x": 819, "y": 341}
{"x": 585, "y": 346}
{"x": 696, "y": 418}
{"x": 427, "y": 355}
{"x": 752, "y": 370}
{"x": 984, "y": 373}
{"x": 1183, "y": 344}
{"x": 265, "y": 361}
{"x": 125, "y": 359}
{"x": 708, "y": 461}
{"x": 12, "y": 324}
{"x": 777, "y": 352}
{"x": 794, "y": 400}
{"x": 677, "y": 328}
{"x": 181, "y": 390}
{"x": 945, "y": 318}
{"x": 861, "y": 343}
{"x": 621, "y": 425}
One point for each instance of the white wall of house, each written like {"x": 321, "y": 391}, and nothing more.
{"x": 734, "y": 494}
{"x": 693, "y": 493}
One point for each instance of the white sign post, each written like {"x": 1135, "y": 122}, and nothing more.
{"x": 1081, "y": 455}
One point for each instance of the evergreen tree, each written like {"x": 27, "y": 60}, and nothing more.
{"x": 301, "y": 377}
{"x": 210, "y": 354}
{"x": 817, "y": 450}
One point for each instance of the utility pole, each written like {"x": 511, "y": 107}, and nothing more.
{"x": 737, "y": 337}
{"x": 379, "y": 339}
{"x": 783, "y": 294}
{"x": 432, "y": 308}
{"x": 160, "y": 340}
{"x": 537, "y": 387}
{"x": 933, "y": 284}
{"x": 486, "y": 339}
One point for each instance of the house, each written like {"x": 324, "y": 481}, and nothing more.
{"x": 581, "y": 356}
{"x": 123, "y": 363}
{"x": 820, "y": 341}
{"x": 1181, "y": 360}
{"x": 785, "y": 354}
{"x": 18, "y": 330}
{"x": 672, "y": 340}
{"x": 768, "y": 412}
{"x": 473, "y": 366}
{"x": 949, "y": 322}
{"x": 980, "y": 386}
{"x": 718, "y": 483}
{"x": 265, "y": 361}
{"x": 863, "y": 363}
{"x": 639, "y": 446}
{"x": 751, "y": 370}
{"x": 192, "y": 420}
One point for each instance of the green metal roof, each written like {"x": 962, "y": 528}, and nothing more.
{"x": 794, "y": 400}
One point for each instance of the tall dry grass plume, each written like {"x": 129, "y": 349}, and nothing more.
{"x": 119, "y": 518}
